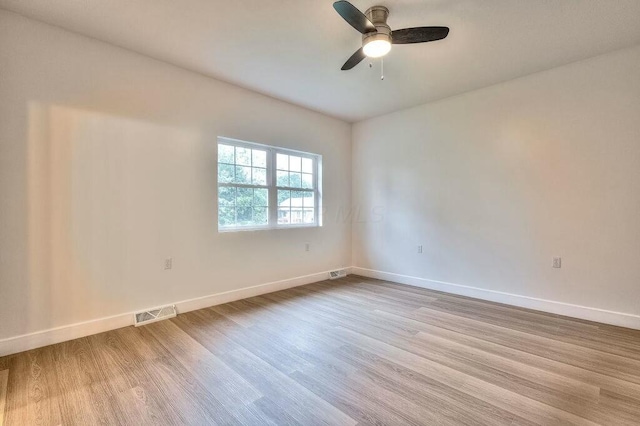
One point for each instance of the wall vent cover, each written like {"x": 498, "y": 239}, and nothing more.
{"x": 153, "y": 315}
{"x": 334, "y": 275}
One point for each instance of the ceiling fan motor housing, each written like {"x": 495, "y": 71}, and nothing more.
{"x": 378, "y": 16}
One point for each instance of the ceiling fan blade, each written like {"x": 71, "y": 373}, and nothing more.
{"x": 419, "y": 35}
{"x": 354, "y": 60}
{"x": 354, "y": 17}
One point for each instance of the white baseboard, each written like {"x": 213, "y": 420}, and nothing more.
{"x": 583, "y": 312}
{"x": 51, "y": 336}
{"x": 244, "y": 293}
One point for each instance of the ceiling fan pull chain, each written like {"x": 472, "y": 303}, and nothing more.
{"x": 381, "y": 69}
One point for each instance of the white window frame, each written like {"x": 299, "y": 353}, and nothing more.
{"x": 272, "y": 186}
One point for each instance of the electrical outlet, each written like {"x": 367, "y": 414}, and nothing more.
{"x": 419, "y": 249}
{"x": 168, "y": 263}
{"x": 307, "y": 246}
{"x": 557, "y": 262}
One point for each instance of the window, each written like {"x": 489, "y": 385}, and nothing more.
{"x": 264, "y": 187}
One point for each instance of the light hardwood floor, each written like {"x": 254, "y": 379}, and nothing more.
{"x": 344, "y": 352}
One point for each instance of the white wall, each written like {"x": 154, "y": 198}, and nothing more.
{"x": 496, "y": 182}
{"x": 107, "y": 166}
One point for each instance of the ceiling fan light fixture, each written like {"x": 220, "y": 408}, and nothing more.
{"x": 377, "y": 36}
{"x": 377, "y": 48}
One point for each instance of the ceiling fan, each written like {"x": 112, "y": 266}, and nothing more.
{"x": 377, "y": 36}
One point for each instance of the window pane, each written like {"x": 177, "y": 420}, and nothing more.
{"x": 259, "y": 176}
{"x": 282, "y": 178}
{"x": 309, "y": 200}
{"x": 284, "y": 198}
{"x": 283, "y": 215}
{"x": 296, "y": 198}
{"x": 243, "y": 156}
{"x": 226, "y": 154}
{"x": 284, "y": 203}
{"x": 259, "y": 158}
{"x": 295, "y": 180}
{"x": 243, "y": 175}
{"x": 225, "y": 173}
{"x": 226, "y": 216}
{"x": 307, "y": 180}
{"x": 296, "y": 216}
{"x": 244, "y": 216}
{"x": 308, "y": 216}
{"x": 226, "y": 196}
{"x": 282, "y": 162}
{"x": 244, "y": 197}
{"x": 260, "y": 197}
{"x": 260, "y": 215}
{"x": 294, "y": 164}
{"x": 307, "y": 165}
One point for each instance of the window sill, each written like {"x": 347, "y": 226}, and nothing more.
{"x": 266, "y": 228}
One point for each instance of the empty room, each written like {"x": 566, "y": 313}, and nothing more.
{"x": 310, "y": 212}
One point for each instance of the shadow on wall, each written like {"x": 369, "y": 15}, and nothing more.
{"x": 102, "y": 199}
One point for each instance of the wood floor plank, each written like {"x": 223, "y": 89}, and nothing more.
{"x": 121, "y": 362}
{"x": 467, "y": 409}
{"x": 560, "y": 383}
{"x": 233, "y": 392}
{"x": 384, "y": 287}
{"x": 186, "y": 397}
{"x": 86, "y": 396}
{"x": 595, "y": 360}
{"x": 335, "y": 311}
{"x": 315, "y": 348}
{"x": 541, "y": 392}
{"x": 140, "y": 406}
{"x": 276, "y": 414}
{"x": 535, "y": 384}
{"x": 527, "y": 408}
{"x": 33, "y": 390}
{"x": 356, "y": 295}
{"x": 127, "y": 358}
{"x": 4, "y": 380}
{"x": 209, "y": 370}
{"x": 413, "y": 407}
{"x": 604, "y": 337}
{"x": 257, "y": 344}
{"x": 242, "y": 317}
{"x": 352, "y": 350}
{"x": 621, "y": 409}
{"x": 390, "y": 294}
{"x": 504, "y": 370}
{"x": 596, "y": 379}
{"x": 533, "y": 324}
{"x": 412, "y": 292}
{"x": 301, "y": 403}
{"x": 545, "y": 378}
{"x": 364, "y": 410}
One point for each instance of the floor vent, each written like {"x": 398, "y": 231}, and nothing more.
{"x": 334, "y": 275}
{"x": 153, "y": 315}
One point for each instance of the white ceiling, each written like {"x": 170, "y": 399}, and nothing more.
{"x": 293, "y": 49}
